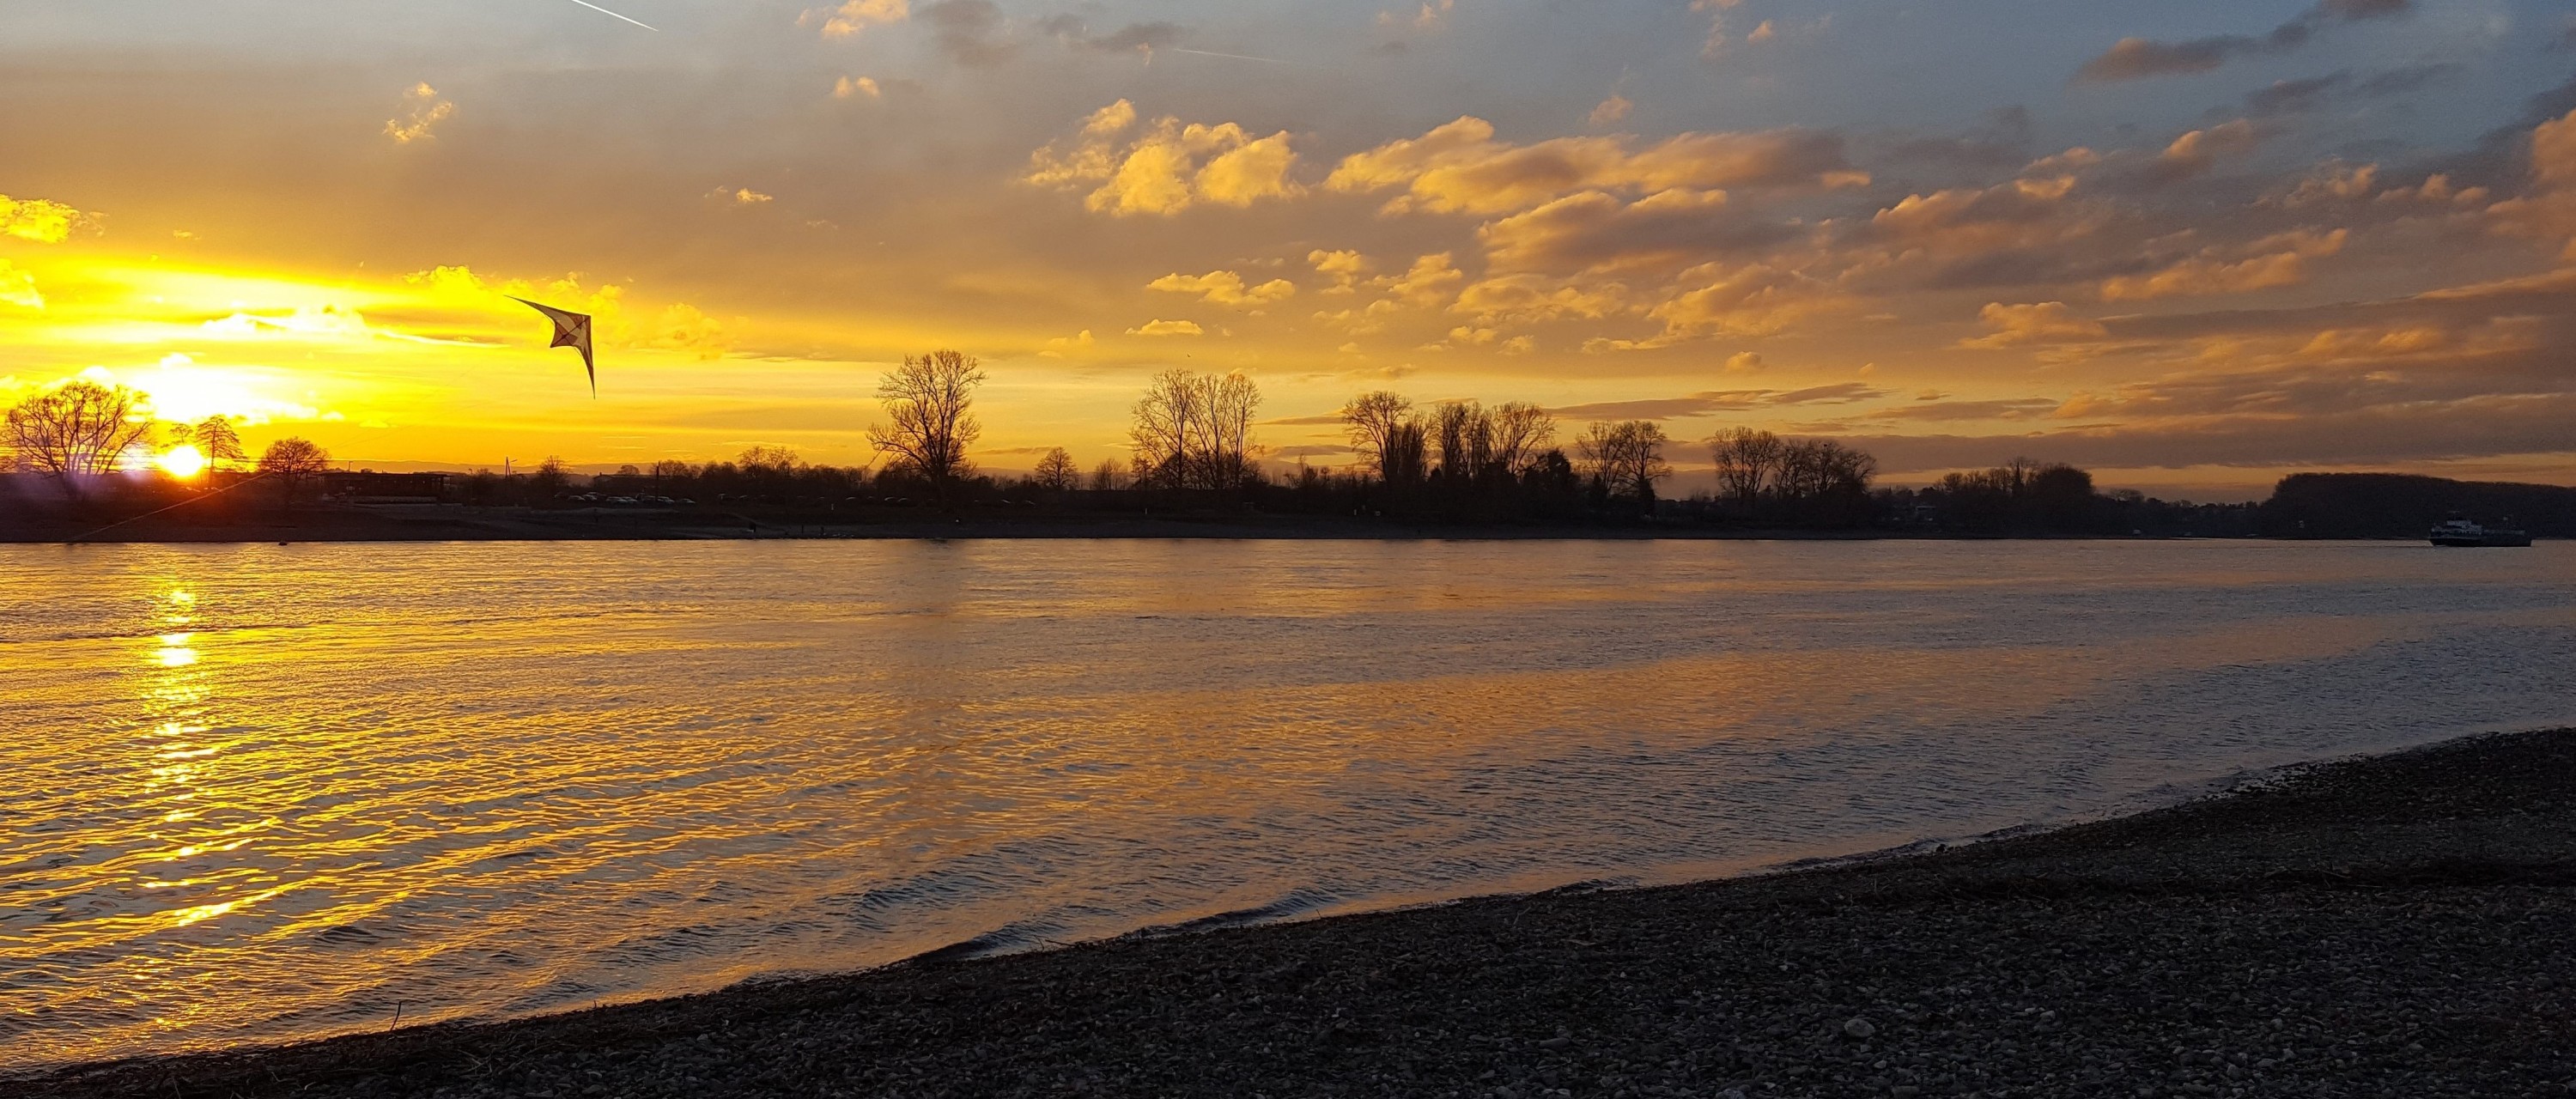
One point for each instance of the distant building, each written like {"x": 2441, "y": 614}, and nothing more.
{"x": 371, "y": 487}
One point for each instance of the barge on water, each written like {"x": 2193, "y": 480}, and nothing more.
{"x": 2463, "y": 532}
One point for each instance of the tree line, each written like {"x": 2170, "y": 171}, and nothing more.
{"x": 81, "y": 431}
{"x": 1192, "y": 443}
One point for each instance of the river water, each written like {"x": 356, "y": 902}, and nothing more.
{"x": 260, "y": 793}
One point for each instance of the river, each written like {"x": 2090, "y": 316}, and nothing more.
{"x": 265, "y": 793}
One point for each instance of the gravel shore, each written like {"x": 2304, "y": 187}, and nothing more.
{"x": 2403, "y": 925}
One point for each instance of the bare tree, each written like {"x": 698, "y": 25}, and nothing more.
{"x": 1056, "y": 471}
{"x": 217, "y": 439}
{"x": 1108, "y": 476}
{"x": 1465, "y": 434}
{"x": 79, "y": 430}
{"x": 1375, "y": 420}
{"x": 929, "y": 398}
{"x": 1627, "y": 457}
{"x": 1747, "y": 460}
{"x": 783, "y": 459}
{"x": 1163, "y": 429}
{"x": 670, "y": 471}
{"x": 1195, "y": 431}
{"x": 1226, "y": 446}
{"x": 293, "y": 463}
{"x": 1521, "y": 433}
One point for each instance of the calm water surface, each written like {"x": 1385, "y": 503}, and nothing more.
{"x": 270, "y": 792}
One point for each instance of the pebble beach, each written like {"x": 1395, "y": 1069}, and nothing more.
{"x": 2389, "y": 925}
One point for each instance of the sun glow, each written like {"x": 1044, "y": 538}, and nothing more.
{"x": 184, "y": 462}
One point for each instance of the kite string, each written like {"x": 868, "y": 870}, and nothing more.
{"x": 254, "y": 478}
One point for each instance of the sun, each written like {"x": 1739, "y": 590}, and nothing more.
{"x": 184, "y": 462}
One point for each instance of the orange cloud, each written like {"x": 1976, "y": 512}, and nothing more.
{"x": 2279, "y": 260}
{"x": 1458, "y": 167}
{"x": 39, "y": 220}
{"x": 1168, "y": 168}
{"x": 423, "y": 110}
{"x": 2043, "y": 322}
{"x": 854, "y": 16}
{"x": 1225, "y": 288}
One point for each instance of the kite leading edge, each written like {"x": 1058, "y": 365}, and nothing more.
{"x": 571, "y": 330}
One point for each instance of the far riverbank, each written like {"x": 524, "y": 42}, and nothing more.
{"x": 2391, "y": 925}
{"x": 454, "y": 523}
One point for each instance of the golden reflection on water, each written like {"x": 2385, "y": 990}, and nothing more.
{"x": 262, "y": 793}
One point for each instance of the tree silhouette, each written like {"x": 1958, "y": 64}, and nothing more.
{"x": 928, "y": 399}
{"x": 1057, "y": 473}
{"x": 1195, "y": 431}
{"x": 1379, "y": 423}
{"x": 293, "y": 463}
{"x": 79, "y": 430}
{"x": 218, "y": 440}
{"x": 1625, "y": 458}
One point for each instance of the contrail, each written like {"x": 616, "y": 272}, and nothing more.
{"x": 605, "y": 11}
{"x": 1209, "y": 53}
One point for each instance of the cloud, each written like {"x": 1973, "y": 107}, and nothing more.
{"x": 1169, "y": 167}
{"x": 1343, "y": 267}
{"x": 2043, "y": 322}
{"x": 39, "y": 220}
{"x": 1458, "y": 167}
{"x": 1743, "y": 362}
{"x": 2548, "y": 209}
{"x": 1530, "y": 298}
{"x": 1612, "y": 111}
{"x": 2015, "y": 408}
{"x": 970, "y": 32}
{"x": 1225, "y": 288}
{"x": 2278, "y": 260}
{"x": 2140, "y": 58}
{"x": 1167, "y": 328}
{"x": 422, "y": 111}
{"x": 1596, "y": 231}
{"x": 1062, "y": 346}
{"x": 1755, "y": 299}
{"x": 2293, "y": 96}
{"x": 853, "y": 87}
{"x": 682, "y": 327}
{"x": 1142, "y": 38}
{"x": 740, "y": 196}
{"x": 1718, "y": 37}
{"x": 854, "y": 16}
{"x": 18, "y": 288}
{"x": 2197, "y": 151}
{"x": 1716, "y": 401}
{"x": 1426, "y": 283}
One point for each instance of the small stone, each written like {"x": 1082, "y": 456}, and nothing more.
{"x": 1558, "y": 1042}
{"x": 1857, "y": 1027}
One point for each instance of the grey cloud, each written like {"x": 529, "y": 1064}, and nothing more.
{"x": 1074, "y": 33}
{"x": 2018, "y": 408}
{"x": 970, "y": 32}
{"x": 2140, "y": 58}
{"x": 1715, "y": 401}
{"x": 2483, "y": 427}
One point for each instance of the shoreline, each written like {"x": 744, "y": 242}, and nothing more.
{"x": 452, "y": 523}
{"x": 1746, "y": 982}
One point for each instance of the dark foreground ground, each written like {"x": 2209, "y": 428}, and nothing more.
{"x": 2398, "y": 926}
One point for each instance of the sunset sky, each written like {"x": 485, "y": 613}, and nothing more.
{"x": 2191, "y": 245}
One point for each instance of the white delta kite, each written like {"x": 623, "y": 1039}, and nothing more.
{"x": 571, "y": 330}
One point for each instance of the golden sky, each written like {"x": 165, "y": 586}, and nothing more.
{"x": 2191, "y": 245}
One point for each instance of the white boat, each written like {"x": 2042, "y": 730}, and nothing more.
{"x": 2456, "y": 531}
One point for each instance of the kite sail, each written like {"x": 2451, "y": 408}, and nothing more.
{"x": 571, "y": 330}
